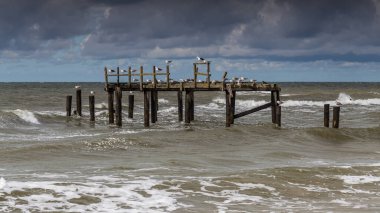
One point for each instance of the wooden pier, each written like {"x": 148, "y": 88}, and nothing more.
{"x": 150, "y": 89}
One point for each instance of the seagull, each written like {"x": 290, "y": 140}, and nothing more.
{"x": 158, "y": 69}
{"x": 201, "y": 59}
{"x": 134, "y": 70}
{"x": 111, "y": 70}
{"x": 2, "y": 183}
{"x": 123, "y": 70}
{"x": 77, "y": 87}
{"x": 92, "y": 93}
{"x": 168, "y": 61}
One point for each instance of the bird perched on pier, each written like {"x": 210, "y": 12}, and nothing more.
{"x": 168, "y": 62}
{"x": 123, "y": 70}
{"x": 158, "y": 69}
{"x": 134, "y": 70}
{"x": 201, "y": 59}
{"x": 77, "y": 87}
{"x": 111, "y": 70}
{"x": 92, "y": 93}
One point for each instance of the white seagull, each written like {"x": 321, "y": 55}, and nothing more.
{"x": 134, "y": 70}
{"x": 200, "y": 59}
{"x": 158, "y": 69}
{"x": 77, "y": 87}
{"x": 111, "y": 70}
{"x": 92, "y": 93}
{"x": 123, "y": 70}
{"x": 168, "y": 61}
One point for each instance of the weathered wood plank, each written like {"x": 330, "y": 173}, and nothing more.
{"x": 252, "y": 110}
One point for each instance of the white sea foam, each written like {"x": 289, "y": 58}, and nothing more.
{"x": 351, "y": 179}
{"x": 26, "y": 116}
{"x": 100, "y": 196}
{"x": 102, "y": 105}
{"x": 2, "y": 183}
{"x": 341, "y": 202}
{"x": 163, "y": 101}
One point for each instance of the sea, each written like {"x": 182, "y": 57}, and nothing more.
{"x": 52, "y": 163}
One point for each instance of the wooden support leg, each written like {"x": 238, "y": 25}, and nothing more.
{"x": 228, "y": 109}
{"x": 91, "y": 100}
{"x": 79, "y": 101}
{"x": 326, "y": 115}
{"x": 111, "y": 118}
{"x": 233, "y": 98}
{"x": 336, "y": 111}
{"x": 69, "y": 99}
{"x": 278, "y": 116}
{"x": 187, "y": 107}
{"x": 192, "y": 105}
{"x": 131, "y": 102}
{"x": 153, "y": 107}
{"x": 273, "y": 102}
{"x": 180, "y": 106}
{"x": 146, "y": 109}
{"x": 118, "y": 94}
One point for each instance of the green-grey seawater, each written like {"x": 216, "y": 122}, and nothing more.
{"x": 49, "y": 163}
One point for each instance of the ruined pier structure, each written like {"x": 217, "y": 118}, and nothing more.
{"x": 150, "y": 90}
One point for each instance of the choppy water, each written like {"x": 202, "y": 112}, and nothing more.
{"x": 50, "y": 163}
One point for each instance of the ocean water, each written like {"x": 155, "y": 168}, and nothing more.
{"x": 50, "y": 163}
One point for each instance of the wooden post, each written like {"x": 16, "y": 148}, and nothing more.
{"x": 79, "y": 101}
{"x": 273, "y": 102}
{"x": 146, "y": 108}
{"x": 154, "y": 77}
{"x": 326, "y": 113}
{"x": 228, "y": 109}
{"x": 106, "y": 76}
{"x": 129, "y": 77}
{"x": 180, "y": 106}
{"x": 141, "y": 78}
{"x": 278, "y": 116}
{"x": 69, "y": 99}
{"x": 111, "y": 118}
{"x": 187, "y": 106}
{"x": 153, "y": 107}
{"x": 167, "y": 76}
{"x": 119, "y": 116}
{"x": 91, "y": 100}
{"x": 131, "y": 102}
{"x": 336, "y": 111}
{"x": 192, "y": 105}
{"x": 195, "y": 75}
{"x": 223, "y": 81}
{"x": 118, "y": 76}
{"x": 208, "y": 74}
{"x": 233, "y": 98}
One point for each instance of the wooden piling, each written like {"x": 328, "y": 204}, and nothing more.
{"x": 208, "y": 75}
{"x": 192, "y": 105}
{"x": 233, "y": 98}
{"x": 131, "y": 102}
{"x": 79, "y": 101}
{"x": 91, "y": 100}
{"x": 153, "y": 107}
{"x": 154, "y": 80}
{"x": 228, "y": 109}
{"x": 180, "y": 106}
{"x": 274, "y": 104}
{"x": 141, "y": 78}
{"x": 187, "y": 106}
{"x": 69, "y": 99}
{"x": 129, "y": 77}
{"x": 118, "y": 75}
{"x": 119, "y": 116}
{"x": 111, "y": 118}
{"x": 336, "y": 111}
{"x": 195, "y": 74}
{"x": 278, "y": 116}
{"x": 146, "y": 108}
{"x": 326, "y": 115}
{"x": 167, "y": 76}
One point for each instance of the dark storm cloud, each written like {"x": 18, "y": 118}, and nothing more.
{"x": 293, "y": 30}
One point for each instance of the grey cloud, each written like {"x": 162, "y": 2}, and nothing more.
{"x": 272, "y": 29}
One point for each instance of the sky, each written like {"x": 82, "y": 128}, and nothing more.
{"x": 271, "y": 40}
